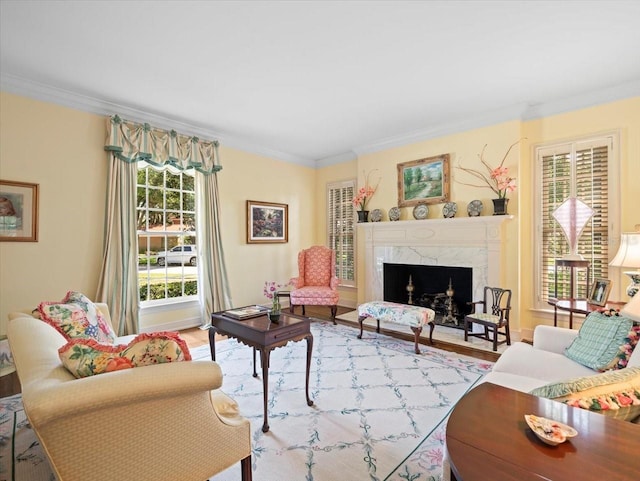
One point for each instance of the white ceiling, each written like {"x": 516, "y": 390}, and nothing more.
{"x": 316, "y": 82}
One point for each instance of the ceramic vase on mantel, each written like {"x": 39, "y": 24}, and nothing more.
{"x": 363, "y": 216}
{"x": 500, "y": 206}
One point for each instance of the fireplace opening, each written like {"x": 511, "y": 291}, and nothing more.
{"x": 446, "y": 290}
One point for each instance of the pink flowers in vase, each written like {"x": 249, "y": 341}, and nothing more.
{"x": 365, "y": 193}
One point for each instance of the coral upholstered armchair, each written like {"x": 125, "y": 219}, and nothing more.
{"x": 316, "y": 284}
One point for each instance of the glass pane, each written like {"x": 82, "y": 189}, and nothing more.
{"x": 189, "y": 202}
{"x": 188, "y": 183}
{"x": 173, "y": 180}
{"x": 156, "y": 178}
{"x": 156, "y": 198}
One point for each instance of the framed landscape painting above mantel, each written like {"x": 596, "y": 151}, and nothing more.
{"x": 267, "y": 222}
{"x": 18, "y": 211}
{"x": 423, "y": 181}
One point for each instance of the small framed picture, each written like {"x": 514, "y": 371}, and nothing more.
{"x": 267, "y": 222}
{"x": 18, "y": 211}
{"x": 599, "y": 292}
{"x": 423, "y": 181}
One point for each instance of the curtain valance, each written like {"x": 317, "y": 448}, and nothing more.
{"x": 133, "y": 142}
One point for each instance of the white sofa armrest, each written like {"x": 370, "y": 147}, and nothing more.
{"x": 553, "y": 339}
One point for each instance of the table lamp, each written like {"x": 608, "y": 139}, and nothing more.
{"x": 629, "y": 256}
{"x": 573, "y": 215}
{"x": 632, "y": 309}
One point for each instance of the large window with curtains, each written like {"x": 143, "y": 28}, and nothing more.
{"x": 586, "y": 169}
{"x": 340, "y": 229}
{"x": 166, "y": 228}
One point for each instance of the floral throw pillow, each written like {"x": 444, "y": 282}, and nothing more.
{"x": 86, "y": 357}
{"x": 77, "y": 317}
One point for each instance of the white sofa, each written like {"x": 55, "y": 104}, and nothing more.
{"x": 162, "y": 422}
{"x": 525, "y": 367}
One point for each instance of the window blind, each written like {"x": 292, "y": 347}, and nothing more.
{"x": 340, "y": 226}
{"x": 580, "y": 170}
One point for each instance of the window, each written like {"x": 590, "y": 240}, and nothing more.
{"x": 340, "y": 226}
{"x": 585, "y": 169}
{"x": 166, "y": 225}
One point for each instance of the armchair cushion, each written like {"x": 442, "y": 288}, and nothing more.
{"x": 599, "y": 341}
{"x": 86, "y": 357}
{"x": 77, "y": 317}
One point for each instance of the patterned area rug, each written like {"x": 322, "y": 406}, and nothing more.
{"x": 379, "y": 410}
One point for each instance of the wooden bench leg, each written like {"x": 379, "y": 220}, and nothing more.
{"x": 416, "y": 332}
{"x": 361, "y": 319}
{"x": 432, "y": 326}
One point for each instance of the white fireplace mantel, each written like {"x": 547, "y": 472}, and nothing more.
{"x": 475, "y": 242}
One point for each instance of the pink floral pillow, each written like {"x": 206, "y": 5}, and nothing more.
{"x": 86, "y": 357}
{"x": 77, "y": 317}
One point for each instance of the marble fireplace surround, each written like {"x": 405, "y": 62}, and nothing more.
{"x": 475, "y": 242}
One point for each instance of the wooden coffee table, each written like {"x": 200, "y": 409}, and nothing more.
{"x": 488, "y": 438}
{"x": 264, "y": 336}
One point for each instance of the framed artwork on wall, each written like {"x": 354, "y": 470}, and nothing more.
{"x": 267, "y": 222}
{"x": 599, "y": 292}
{"x": 18, "y": 211}
{"x": 423, "y": 181}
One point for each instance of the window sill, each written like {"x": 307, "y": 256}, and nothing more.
{"x": 165, "y": 305}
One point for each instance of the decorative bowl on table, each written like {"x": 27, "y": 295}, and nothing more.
{"x": 549, "y": 431}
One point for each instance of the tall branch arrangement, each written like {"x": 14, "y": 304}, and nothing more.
{"x": 497, "y": 179}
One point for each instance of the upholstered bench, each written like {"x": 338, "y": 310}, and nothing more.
{"x": 413, "y": 316}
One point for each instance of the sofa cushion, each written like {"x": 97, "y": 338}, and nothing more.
{"x": 613, "y": 393}
{"x": 599, "y": 340}
{"x": 525, "y": 360}
{"x": 77, "y": 317}
{"x": 628, "y": 346}
{"x": 86, "y": 357}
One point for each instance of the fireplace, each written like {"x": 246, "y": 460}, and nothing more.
{"x": 475, "y": 243}
{"x": 445, "y": 289}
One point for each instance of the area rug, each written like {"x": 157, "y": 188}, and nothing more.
{"x": 379, "y": 409}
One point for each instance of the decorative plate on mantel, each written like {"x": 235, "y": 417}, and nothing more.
{"x": 394, "y": 213}
{"x": 474, "y": 209}
{"x": 420, "y": 211}
{"x": 376, "y": 215}
{"x": 449, "y": 210}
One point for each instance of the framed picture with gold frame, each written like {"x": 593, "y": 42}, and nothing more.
{"x": 267, "y": 222}
{"x": 599, "y": 293}
{"x": 18, "y": 211}
{"x": 423, "y": 181}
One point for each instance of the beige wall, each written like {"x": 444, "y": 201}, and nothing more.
{"x": 61, "y": 149}
{"x": 464, "y": 147}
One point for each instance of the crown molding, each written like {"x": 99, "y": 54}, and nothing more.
{"x": 523, "y": 112}
{"x": 85, "y": 103}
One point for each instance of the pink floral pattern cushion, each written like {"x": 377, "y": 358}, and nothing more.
{"x": 86, "y": 357}
{"x": 77, "y": 317}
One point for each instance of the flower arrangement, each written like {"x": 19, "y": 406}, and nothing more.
{"x": 497, "y": 179}
{"x": 365, "y": 193}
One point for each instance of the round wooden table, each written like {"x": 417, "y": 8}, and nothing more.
{"x": 488, "y": 439}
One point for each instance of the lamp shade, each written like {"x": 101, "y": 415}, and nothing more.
{"x": 632, "y": 309}
{"x": 572, "y": 216}
{"x": 629, "y": 252}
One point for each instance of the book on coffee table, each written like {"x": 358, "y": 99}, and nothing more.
{"x": 246, "y": 312}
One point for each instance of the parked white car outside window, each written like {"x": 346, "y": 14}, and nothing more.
{"x": 178, "y": 255}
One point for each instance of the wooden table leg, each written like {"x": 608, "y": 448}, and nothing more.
{"x": 264, "y": 359}
{"x": 309, "y": 351}
{"x": 255, "y": 374}
{"x": 212, "y": 342}
{"x": 432, "y": 326}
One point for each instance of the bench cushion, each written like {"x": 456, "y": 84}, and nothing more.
{"x": 413, "y": 316}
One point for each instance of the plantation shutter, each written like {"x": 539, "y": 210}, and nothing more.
{"x": 577, "y": 169}
{"x": 340, "y": 225}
